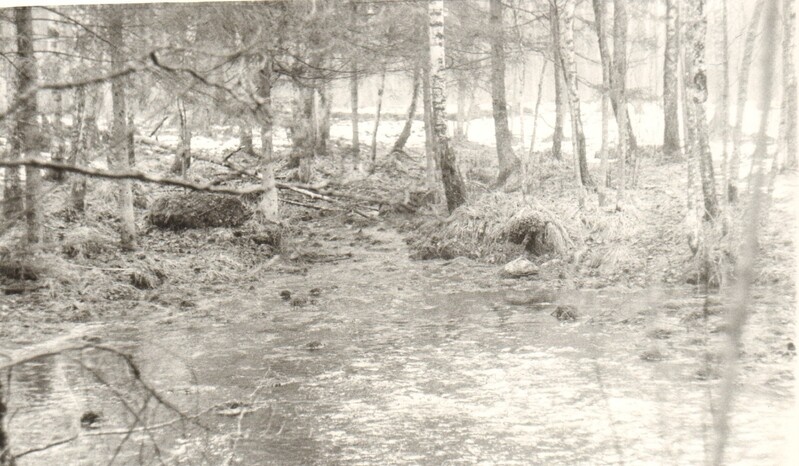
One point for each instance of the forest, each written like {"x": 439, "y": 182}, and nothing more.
{"x": 399, "y": 232}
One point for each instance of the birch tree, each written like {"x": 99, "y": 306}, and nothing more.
{"x": 696, "y": 30}
{"x": 454, "y": 189}
{"x": 505, "y": 156}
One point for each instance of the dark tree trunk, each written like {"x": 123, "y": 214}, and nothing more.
{"x": 77, "y": 157}
{"x": 399, "y": 145}
{"x": 507, "y": 159}
{"x": 26, "y": 131}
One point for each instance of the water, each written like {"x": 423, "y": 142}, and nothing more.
{"x": 400, "y": 362}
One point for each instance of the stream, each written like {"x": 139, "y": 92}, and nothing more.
{"x": 385, "y": 360}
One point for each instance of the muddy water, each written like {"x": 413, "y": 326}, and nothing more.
{"x": 400, "y": 362}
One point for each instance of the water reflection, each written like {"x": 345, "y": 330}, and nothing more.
{"x": 434, "y": 377}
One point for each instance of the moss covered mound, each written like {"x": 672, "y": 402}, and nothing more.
{"x": 197, "y": 210}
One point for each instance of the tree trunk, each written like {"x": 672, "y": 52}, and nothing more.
{"x": 460, "y": 123}
{"x": 789, "y": 99}
{"x": 604, "y": 54}
{"x": 356, "y": 144}
{"x": 57, "y": 146}
{"x": 322, "y": 119}
{"x": 671, "y": 119}
{"x": 269, "y": 205}
{"x": 557, "y": 69}
{"x": 399, "y": 145}
{"x": 131, "y": 138}
{"x": 507, "y": 159}
{"x": 302, "y": 137}
{"x": 182, "y": 161}
{"x": 118, "y": 153}
{"x": 725, "y": 95}
{"x": 570, "y": 67}
{"x": 377, "y": 119}
{"x": 533, "y": 156}
{"x": 13, "y": 194}
{"x": 620, "y": 92}
{"x": 26, "y": 126}
{"x": 697, "y": 91}
{"x": 454, "y": 189}
{"x": 429, "y": 137}
{"x": 77, "y": 157}
{"x": 245, "y": 138}
{"x": 740, "y": 104}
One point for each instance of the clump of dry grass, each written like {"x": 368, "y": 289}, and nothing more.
{"x": 495, "y": 227}
{"x": 197, "y": 210}
{"x": 86, "y": 242}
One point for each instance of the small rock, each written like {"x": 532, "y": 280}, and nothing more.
{"x": 565, "y": 313}
{"x": 297, "y": 302}
{"x": 315, "y": 345}
{"x": 285, "y": 295}
{"x": 518, "y": 268}
{"x": 791, "y": 346}
{"x": 316, "y": 292}
{"x": 90, "y": 420}
{"x": 652, "y": 354}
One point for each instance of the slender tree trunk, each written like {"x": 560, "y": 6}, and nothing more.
{"x": 533, "y": 155}
{"x": 269, "y": 205}
{"x": 356, "y": 143}
{"x": 569, "y": 65}
{"x": 429, "y": 137}
{"x": 131, "y": 138}
{"x": 460, "y": 122}
{"x": 697, "y": 92}
{"x": 725, "y": 95}
{"x": 604, "y": 54}
{"x": 740, "y": 104}
{"x": 789, "y": 99}
{"x": 77, "y": 157}
{"x": 671, "y": 119}
{"x": 507, "y": 159}
{"x": 26, "y": 126}
{"x": 454, "y": 189}
{"x": 402, "y": 139}
{"x": 557, "y": 67}
{"x": 620, "y": 92}
{"x": 380, "y": 91}
{"x": 322, "y": 119}
{"x": 118, "y": 154}
{"x": 520, "y": 101}
{"x": 57, "y": 146}
{"x": 182, "y": 161}
{"x": 245, "y": 138}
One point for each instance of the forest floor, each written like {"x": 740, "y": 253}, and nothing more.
{"x": 82, "y": 276}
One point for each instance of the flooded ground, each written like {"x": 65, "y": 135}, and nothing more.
{"x": 382, "y": 360}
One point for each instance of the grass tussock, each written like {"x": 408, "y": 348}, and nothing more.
{"x": 495, "y": 227}
{"x": 197, "y": 210}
